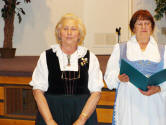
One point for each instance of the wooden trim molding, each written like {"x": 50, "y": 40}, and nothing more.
{"x": 2, "y": 93}
{"x": 15, "y": 80}
{"x": 2, "y": 108}
{"x": 16, "y": 122}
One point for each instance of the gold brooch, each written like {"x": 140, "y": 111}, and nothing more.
{"x": 84, "y": 61}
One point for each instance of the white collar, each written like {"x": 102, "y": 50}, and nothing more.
{"x": 81, "y": 51}
{"x": 133, "y": 39}
{"x": 63, "y": 61}
{"x": 134, "y": 52}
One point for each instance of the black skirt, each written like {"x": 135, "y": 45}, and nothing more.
{"x": 66, "y": 109}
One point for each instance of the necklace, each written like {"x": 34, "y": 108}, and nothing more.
{"x": 68, "y": 59}
{"x": 66, "y": 75}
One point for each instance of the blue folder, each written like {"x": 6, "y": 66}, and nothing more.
{"x": 139, "y": 79}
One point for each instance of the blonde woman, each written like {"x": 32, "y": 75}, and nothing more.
{"x": 67, "y": 80}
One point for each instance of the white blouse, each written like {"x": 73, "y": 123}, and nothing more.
{"x": 40, "y": 74}
{"x": 133, "y": 53}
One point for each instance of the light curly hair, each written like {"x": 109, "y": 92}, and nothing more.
{"x": 81, "y": 27}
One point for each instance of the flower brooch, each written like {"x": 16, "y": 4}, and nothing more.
{"x": 83, "y": 61}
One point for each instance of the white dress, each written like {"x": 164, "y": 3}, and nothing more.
{"x": 131, "y": 107}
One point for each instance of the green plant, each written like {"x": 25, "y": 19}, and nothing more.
{"x": 10, "y": 8}
{"x": 160, "y": 9}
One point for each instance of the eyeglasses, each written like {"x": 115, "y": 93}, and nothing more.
{"x": 143, "y": 23}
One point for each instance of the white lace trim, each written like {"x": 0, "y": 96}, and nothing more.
{"x": 80, "y": 52}
{"x": 117, "y": 104}
{"x": 116, "y": 118}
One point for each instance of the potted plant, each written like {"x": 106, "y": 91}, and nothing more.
{"x": 9, "y": 10}
{"x": 160, "y": 9}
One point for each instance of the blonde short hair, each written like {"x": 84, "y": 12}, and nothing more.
{"x": 81, "y": 27}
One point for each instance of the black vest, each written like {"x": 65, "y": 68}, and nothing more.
{"x": 67, "y": 82}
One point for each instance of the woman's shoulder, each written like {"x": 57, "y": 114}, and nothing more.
{"x": 53, "y": 48}
{"x": 81, "y": 51}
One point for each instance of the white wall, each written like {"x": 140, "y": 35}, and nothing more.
{"x": 101, "y": 17}
{"x": 36, "y": 32}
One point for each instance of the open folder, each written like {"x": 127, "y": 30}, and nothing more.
{"x": 139, "y": 79}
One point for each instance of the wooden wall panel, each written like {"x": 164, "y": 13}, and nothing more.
{"x": 14, "y": 80}
{"x": 104, "y": 111}
{"x": 2, "y": 108}
{"x": 103, "y": 59}
{"x": 104, "y": 115}
{"x": 107, "y": 98}
{"x": 16, "y": 122}
{"x": 2, "y": 93}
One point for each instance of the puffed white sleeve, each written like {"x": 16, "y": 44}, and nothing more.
{"x": 163, "y": 85}
{"x": 40, "y": 74}
{"x": 95, "y": 81}
{"x": 113, "y": 68}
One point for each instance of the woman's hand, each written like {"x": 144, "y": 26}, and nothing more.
{"x": 123, "y": 77}
{"x": 88, "y": 109}
{"x": 151, "y": 90}
{"x": 81, "y": 120}
{"x": 78, "y": 122}
{"x": 51, "y": 122}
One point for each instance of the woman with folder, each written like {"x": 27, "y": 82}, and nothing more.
{"x": 134, "y": 106}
